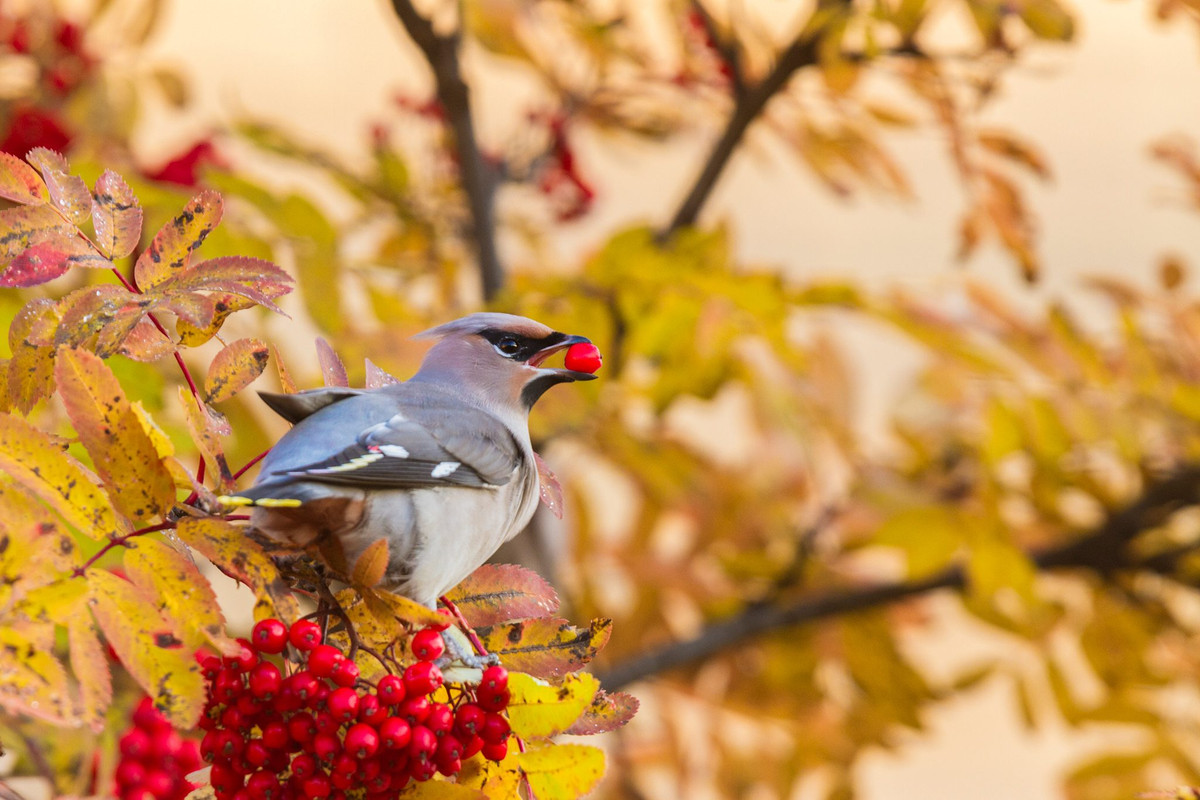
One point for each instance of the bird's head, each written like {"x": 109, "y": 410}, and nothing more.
{"x": 499, "y": 355}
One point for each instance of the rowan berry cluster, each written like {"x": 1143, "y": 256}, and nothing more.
{"x": 154, "y": 758}
{"x": 323, "y": 732}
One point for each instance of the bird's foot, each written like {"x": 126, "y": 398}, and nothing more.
{"x": 460, "y": 653}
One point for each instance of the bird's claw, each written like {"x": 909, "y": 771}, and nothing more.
{"x": 459, "y": 651}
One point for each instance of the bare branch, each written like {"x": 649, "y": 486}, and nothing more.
{"x": 479, "y": 179}
{"x": 1102, "y": 550}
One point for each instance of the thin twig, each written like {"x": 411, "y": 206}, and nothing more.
{"x": 119, "y": 541}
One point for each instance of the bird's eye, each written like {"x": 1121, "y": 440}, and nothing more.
{"x": 508, "y": 345}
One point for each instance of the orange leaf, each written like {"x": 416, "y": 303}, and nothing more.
{"x": 145, "y": 342}
{"x": 123, "y": 454}
{"x": 545, "y": 647}
{"x": 608, "y": 711}
{"x": 26, "y": 225}
{"x": 32, "y": 680}
{"x": 89, "y": 662}
{"x": 84, "y": 312}
{"x": 35, "y": 461}
{"x": 286, "y": 382}
{"x": 19, "y": 182}
{"x": 68, "y": 193}
{"x": 205, "y": 429}
{"x": 171, "y": 248}
{"x": 497, "y": 593}
{"x": 234, "y": 368}
{"x": 116, "y": 216}
{"x": 31, "y": 370}
{"x": 370, "y": 566}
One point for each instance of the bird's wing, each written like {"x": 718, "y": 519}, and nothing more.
{"x": 422, "y": 446}
{"x": 295, "y": 407}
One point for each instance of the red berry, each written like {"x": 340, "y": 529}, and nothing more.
{"x": 449, "y": 748}
{"x": 303, "y": 683}
{"x": 319, "y": 695}
{"x": 422, "y": 678}
{"x": 379, "y": 784}
{"x": 395, "y": 733}
{"x": 583, "y": 357}
{"x": 471, "y": 747}
{"x": 269, "y": 636}
{"x": 345, "y": 673}
{"x": 245, "y": 659}
{"x": 415, "y": 709}
{"x": 362, "y": 740}
{"x": 370, "y": 710}
{"x": 326, "y": 747}
{"x": 468, "y": 720}
{"x": 327, "y": 722}
{"x": 148, "y": 718}
{"x": 304, "y": 766}
{"x": 227, "y": 685}
{"x": 448, "y": 766}
{"x": 305, "y": 634}
{"x": 440, "y": 719}
{"x": 447, "y": 617}
{"x": 130, "y": 772}
{"x": 495, "y": 751}
{"x": 343, "y": 704}
{"x": 135, "y": 744}
{"x": 248, "y": 706}
{"x": 345, "y": 764}
{"x": 492, "y": 699}
{"x": 494, "y": 677}
{"x": 263, "y": 785}
{"x": 224, "y": 779}
{"x": 265, "y": 680}
{"x": 302, "y": 727}
{"x": 275, "y": 734}
{"x": 495, "y": 728}
{"x": 323, "y": 659}
{"x": 423, "y": 745}
{"x": 231, "y": 718}
{"x": 390, "y": 690}
{"x": 257, "y": 752}
{"x": 286, "y": 698}
{"x": 317, "y": 787}
{"x": 427, "y": 645}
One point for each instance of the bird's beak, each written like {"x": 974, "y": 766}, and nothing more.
{"x": 562, "y": 374}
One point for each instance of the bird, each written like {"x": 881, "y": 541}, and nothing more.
{"x": 439, "y": 465}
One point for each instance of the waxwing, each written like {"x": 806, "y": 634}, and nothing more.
{"x": 440, "y": 465}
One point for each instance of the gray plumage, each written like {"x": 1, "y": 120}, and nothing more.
{"x": 439, "y": 465}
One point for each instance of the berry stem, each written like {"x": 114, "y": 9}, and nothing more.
{"x": 462, "y": 622}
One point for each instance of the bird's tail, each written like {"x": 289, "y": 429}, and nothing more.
{"x": 283, "y": 494}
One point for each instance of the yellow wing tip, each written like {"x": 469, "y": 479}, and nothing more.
{"x": 266, "y": 502}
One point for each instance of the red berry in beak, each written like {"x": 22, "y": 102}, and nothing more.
{"x": 583, "y": 357}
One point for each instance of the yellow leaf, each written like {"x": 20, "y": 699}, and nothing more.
{"x": 204, "y": 428}
{"x": 89, "y": 662}
{"x": 148, "y": 647}
{"x": 34, "y": 460}
{"x": 401, "y": 608}
{"x": 370, "y": 566}
{"x": 930, "y": 537}
{"x": 539, "y": 710}
{"x": 31, "y": 369}
{"x": 442, "y": 790}
{"x": 234, "y": 368}
{"x": 184, "y": 595}
{"x": 32, "y": 680}
{"x": 545, "y": 647}
{"x": 123, "y": 453}
{"x": 171, "y": 248}
{"x": 233, "y": 553}
{"x": 563, "y": 771}
{"x": 498, "y": 781}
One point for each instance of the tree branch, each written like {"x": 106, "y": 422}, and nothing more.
{"x": 1102, "y": 550}
{"x": 479, "y": 179}
{"x": 748, "y": 104}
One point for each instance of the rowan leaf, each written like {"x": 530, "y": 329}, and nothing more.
{"x": 254, "y": 279}
{"x": 32, "y": 680}
{"x": 145, "y": 342}
{"x": 184, "y": 595}
{"x": 442, "y": 790}
{"x": 85, "y": 312}
{"x": 239, "y": 557}
{"x": 607, "y": 712}
{"x": 122, "y": 452}
{"x": 48, "y": 259}
{"x": 545, "y": 647}
{"x": 539, "y": 710}
{"x": 549, "y": 489}
{"x": 561, "y": 771}
{"x": 89, "y": 662}
{"x": 497, "y": 781}
{"x": 206, "y": 430}
{"x": 497, "y": 593}
{"x": 370, "y": 566}
{"x": 20, "y": 183}
{"x": 35, "y": 461}
{"x": 25, "y": 225}
{"x": 377, "y": 377}
{"x": 30, "y": 371}
{"x": 386, "y": 604}
{"x": 116, "y": 216}
{"x": 149, "y": 647}
{"x": 286, "y": 381}
{"x": 332, "y": 368}
{"x": 197, "y": 310}
{"x": 68, "y": 193}
{"x": 234, "y": 368}
{"x": 223, "y": 304}
{"x": 171, "y": 249}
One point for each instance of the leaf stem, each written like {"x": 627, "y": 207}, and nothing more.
{"x": 118, "y": 541}
{"x": 472, "y": 637}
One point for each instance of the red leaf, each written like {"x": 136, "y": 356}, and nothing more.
{"x": 376, "y": 377}
{"x": 25, "y": 225}
{"x": 497, "y": 593}
{"x": 48, "y": 259}
{"x": 549, "y": 488}
{"x": 145, "y": 343}
{"x": 252, "y": 278}
{"x": 609, "y": 711}
{"x": 171, "y": 248}
{"x": 86, "y": 311}
{"x": 116, "y": 216}
{"x": 332, "y": 367}
{"x": 19, "y": 182}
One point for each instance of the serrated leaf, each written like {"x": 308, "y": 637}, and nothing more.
{"x": 116, "y": 216}
{"x": 184, "y": 595}
{"x": 545, "y": 647}
{"x": 497, "y": 781}
{"x": 332, "y": 368}
{"x": 25, "y": 225}
{"x": 48, "y": 259}
{"x": 68, "y": 193}
{"x": 205, "y": 791}
{"x": 148, "y": 647}
{"x": 223, "y": 304}
{"x": 32, "y": 680}
{"x": 441, "y": 790}
{"x": 497, "y": 593}
{"x": 122, "y": 452}
{"x": 20, "y": 183}
{"x": 369, "y": 568}
{"x": 386, "y": 604}
{"x": 377, "y": 377}
{"x": 145, "y": 343}
{"x": 89, "y": 662}
{"x": 255, "y": 279}
{"x": 539, "y": 710}
{"x": 227, "y": 547}
{"x": 549, "y": 489}
{"x": 562, "y": 771}
{"x": 197, "y": 310}
{"x": 35, "y": 461}
{"x": 1010, "y": 147}
{"x": 171, "y": 249}
{"x": 608, "y": 711}
{"x": 286, "y": 382}
{"x": 85, "y": 312}
{"x": 234, "y": 368}
{"x": 206, "y": 434}
{"x": 30, "y": 371}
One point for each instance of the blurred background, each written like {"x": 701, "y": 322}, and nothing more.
{"x": 891, "y": 487}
